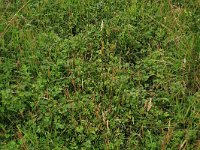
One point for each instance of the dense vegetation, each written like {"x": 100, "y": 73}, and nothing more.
{"x": 99, "y": 74}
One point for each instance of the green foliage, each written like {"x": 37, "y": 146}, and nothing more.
{"x": 99, "y": 74}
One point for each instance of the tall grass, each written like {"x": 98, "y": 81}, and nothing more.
{"x": 99, "y": 74}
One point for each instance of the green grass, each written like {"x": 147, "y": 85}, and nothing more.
{"x": 93, "y": 74}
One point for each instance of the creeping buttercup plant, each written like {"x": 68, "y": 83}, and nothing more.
{"x": 99, "y": 74}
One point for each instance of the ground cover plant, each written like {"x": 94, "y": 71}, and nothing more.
{"x": 99, "y": 74}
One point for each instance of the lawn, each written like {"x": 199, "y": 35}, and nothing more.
{"x": 99, "y": 74}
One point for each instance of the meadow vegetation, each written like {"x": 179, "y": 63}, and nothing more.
{"x": 99, "y": 74}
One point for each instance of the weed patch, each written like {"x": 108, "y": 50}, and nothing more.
{"x": 99, "y": 74}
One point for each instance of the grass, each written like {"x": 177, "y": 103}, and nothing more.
{"x": 99, "y": 74}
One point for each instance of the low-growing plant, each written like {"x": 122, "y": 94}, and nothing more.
{"x": 99, "y": 74}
